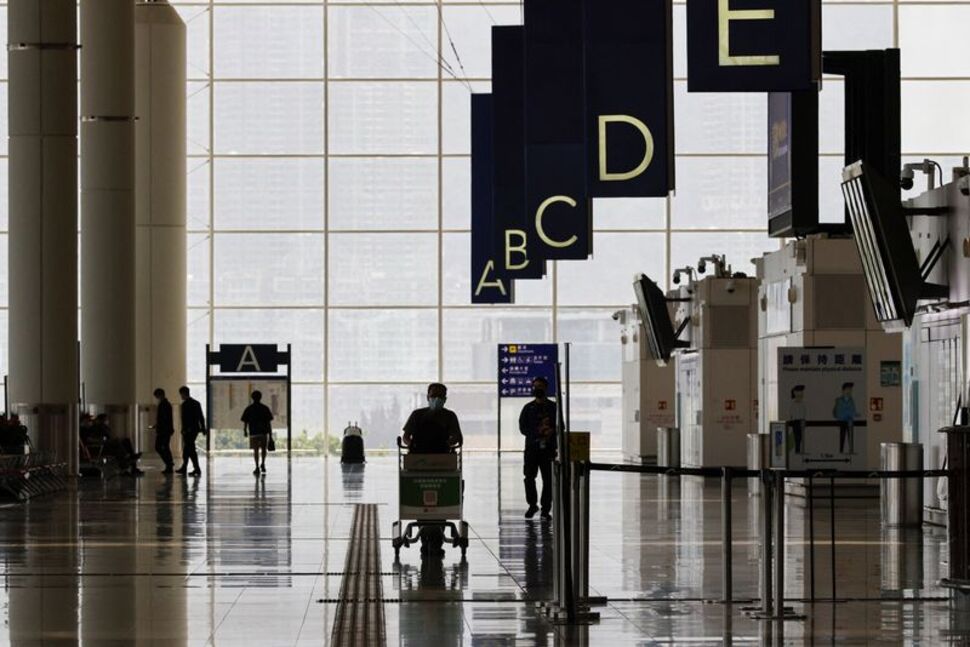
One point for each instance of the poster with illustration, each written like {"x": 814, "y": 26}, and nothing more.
{"x": 822, "y": 403}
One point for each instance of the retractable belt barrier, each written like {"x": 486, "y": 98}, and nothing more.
{"x": 571, "y": 579}
{"x": 24, "y": 476}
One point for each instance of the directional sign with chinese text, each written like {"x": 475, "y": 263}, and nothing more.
{"x": 519, "y": 364}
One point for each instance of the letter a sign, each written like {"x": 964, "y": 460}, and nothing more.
{"x": 248, "y": 358}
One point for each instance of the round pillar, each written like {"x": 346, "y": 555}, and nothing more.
{"x": 42, "y": 334}
{"x": 160, "y": 205}
{"x": 108, "y": 209}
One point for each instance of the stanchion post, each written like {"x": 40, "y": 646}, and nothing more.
{"x": 727, "y": 570}
{"x": 779, "y": 544}
{"x": 766, "y": 529}
{"x": 832, "y": 532}
{"x": 811, "y": 538}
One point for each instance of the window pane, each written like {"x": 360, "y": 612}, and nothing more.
{"x": 931, "y": 38}
{"x": 269, "y": 269}
{"x": 686, "y": 249}
{"x": 308, "y": 419}
{"x": 197, "y": 187}
{"x": 391, "y": 117}
{"x": 383, "y": 270}
{"x": 470, "y": 27}
{"x": 197, "y": 118}
{"x": 383, "y": 345}
{"x": 196, "y": 21}
{"x": 456, "y": 278}
{"x": 595, "y": 355}
{"x": 380, "y": 410}
{"x": 931, "y": 112}
{"x": 477, "y": 409}
{"x": 456, "y": 116}
{"x": 269, "y": 42}
{"x": 197, "y": 338}
{"x": 266, "y": 118}
{"x": 607, "y": 279}
{"x": 198, "y": 270}
{"x": 630, "y": 213}
{"x": 379, "y": 42}
{"x": 471, "y": 337}
{"x": 384, "y": 193}
{"x": 720, "y": 193}
{"x": 855, "y": 27}
{"x": 304, "y": 329}
{"x": 598, "y": 409}
{"x": 720, "y": 122}
{"x": 456, "y": 173}
{"x": 269, "y": 194}
{"x": 4, "y": 197}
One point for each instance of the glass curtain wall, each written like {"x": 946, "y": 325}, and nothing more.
{"x": 329, "y": 207}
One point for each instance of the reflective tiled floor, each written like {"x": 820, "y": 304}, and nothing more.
{"x": 231, "y": 559}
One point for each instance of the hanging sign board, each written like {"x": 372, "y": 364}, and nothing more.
{"x": 629, "y": 98}
{"x": 518, "y": 257}
{"x": 557, "y": 208}
{"x": 488, "y": 284}
{"x": 519, "y": 364}
{"x": 753, "y": 45}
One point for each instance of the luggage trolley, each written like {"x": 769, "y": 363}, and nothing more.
{"x": 430, "y": 493}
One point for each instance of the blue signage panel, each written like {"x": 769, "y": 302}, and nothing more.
{"x": 518, "y": 257}
{"x": 629, "y": 98}
{"x": 753, "y": 45}
{"x": 488, "y": 284}
{"x": 557, "y": 207}
{"x": 519, "y": 364}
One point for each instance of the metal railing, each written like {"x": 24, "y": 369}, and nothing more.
{"x": 572, "y": 601}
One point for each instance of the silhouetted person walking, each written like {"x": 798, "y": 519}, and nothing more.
{"x": 164, "y": 430}
{"x": 193, "y": 424}
{"x": 257, "y": 424}
{"x": 537, "y": 423}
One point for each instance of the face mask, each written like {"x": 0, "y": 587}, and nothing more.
{"x": 436, "y": 404}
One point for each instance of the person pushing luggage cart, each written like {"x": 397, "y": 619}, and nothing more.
{"x": 431, "y": 489}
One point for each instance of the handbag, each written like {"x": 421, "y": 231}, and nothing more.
{"x": 271, "y": 444}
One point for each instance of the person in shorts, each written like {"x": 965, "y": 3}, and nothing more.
{"x": 257, "y": 419}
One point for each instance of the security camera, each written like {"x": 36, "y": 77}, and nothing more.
{"x": 730, "y": 286}
{"x": 676, "y": 278}
{"x": 702, "y": 267}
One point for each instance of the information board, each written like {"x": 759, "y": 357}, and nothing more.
{"x": 519, "y": 364}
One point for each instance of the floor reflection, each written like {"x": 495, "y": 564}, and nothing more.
{"x": 231, "y": 559}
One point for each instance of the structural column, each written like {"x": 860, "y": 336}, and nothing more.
{"x": 43, "y": 222}
{"x": 108, "y": 209}
{"x": 160, "y": 179}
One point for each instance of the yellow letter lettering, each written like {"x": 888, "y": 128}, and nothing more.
{"x": 485, "y": 283}
{"x": 542, "y": 232}
{"x": 605, "y": 175}
{"x": 520, "y": 248}
{"x": 724, "y": 17}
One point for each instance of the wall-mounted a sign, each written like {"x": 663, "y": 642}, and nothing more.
{"x": 753, "y": 45}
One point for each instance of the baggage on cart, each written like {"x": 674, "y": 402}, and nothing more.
{"x": 430, "y": 496}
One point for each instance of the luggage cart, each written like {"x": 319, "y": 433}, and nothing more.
{"x": 430, "y": 494}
